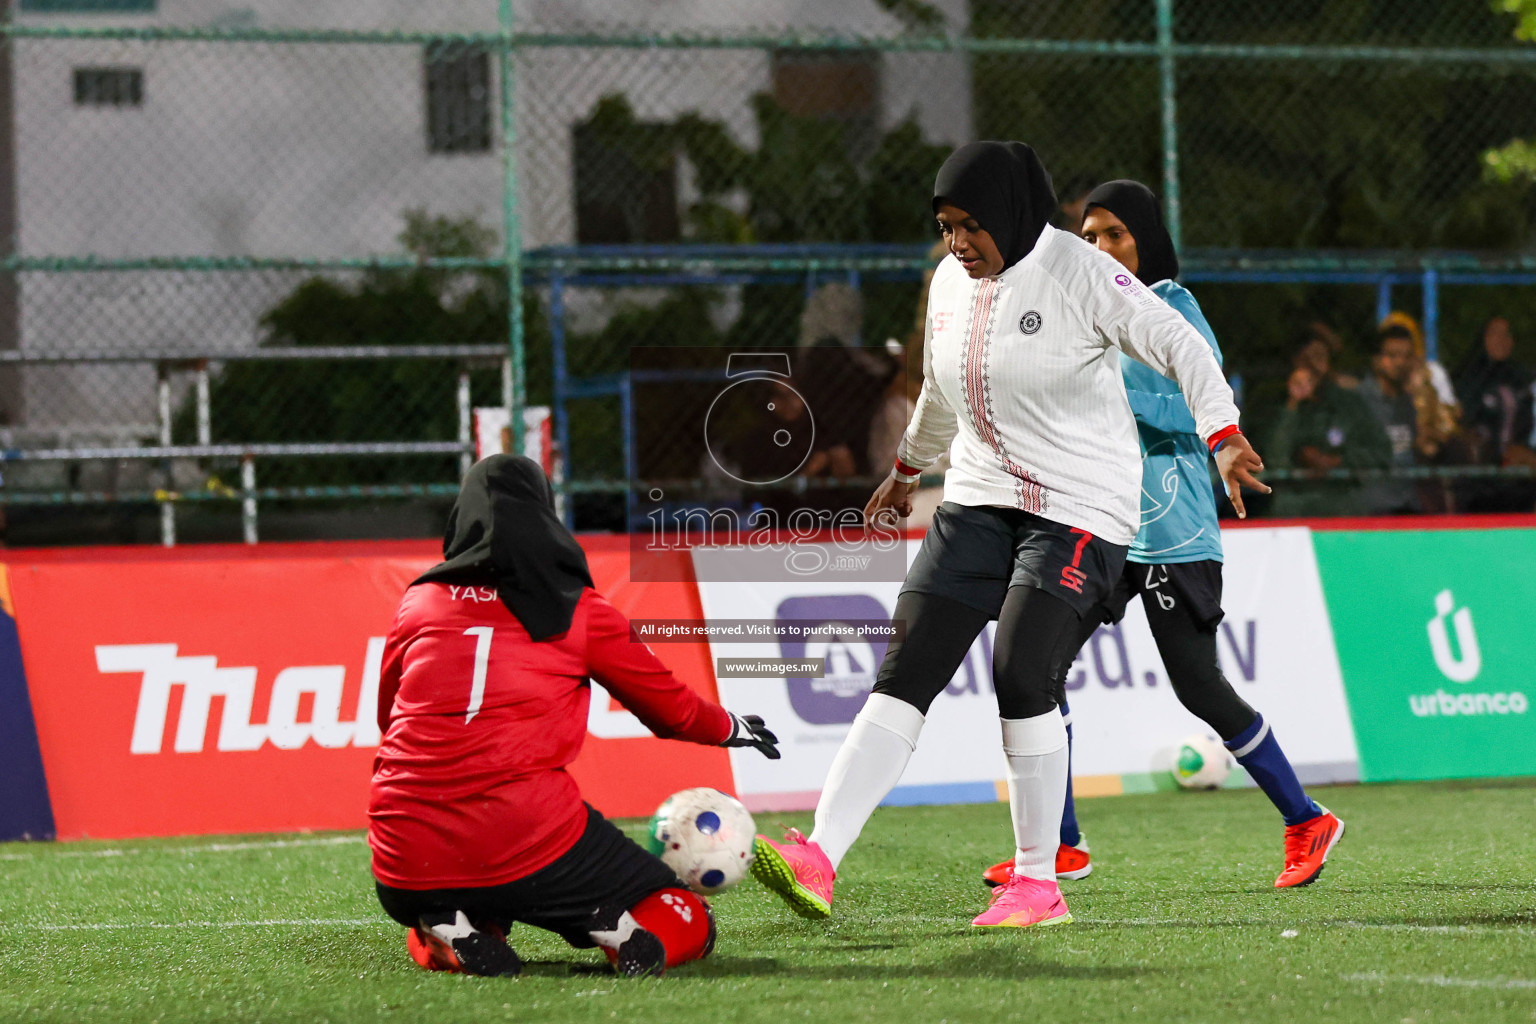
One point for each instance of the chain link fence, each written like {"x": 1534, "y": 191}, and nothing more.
{"x": 271, "y": 257}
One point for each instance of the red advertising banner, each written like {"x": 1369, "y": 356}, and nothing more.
{"x": 232, "y": 689}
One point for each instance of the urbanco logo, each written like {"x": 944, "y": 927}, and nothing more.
{"x": 1463, "y": 664}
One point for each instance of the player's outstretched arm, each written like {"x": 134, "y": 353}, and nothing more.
{"x": 629, "y": 670}
{"x": 1130, "y": 316}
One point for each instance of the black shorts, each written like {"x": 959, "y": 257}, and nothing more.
{"x": 974, "y": 553}
{"x": 604, "y": 870}
{"x": 1191, "y": 589}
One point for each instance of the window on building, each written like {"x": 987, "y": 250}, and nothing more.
{"x": 458, "y": 98}
{"x": 87, "y": 6}
{"x": 831, "y": 85}
{"x": 626, "y": 180}
{"x": 109, "y": 87}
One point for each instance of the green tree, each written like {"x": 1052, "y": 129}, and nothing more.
{"x": 1515, "y": 161}
{"x": 1287, "y": 154}
{"x": 805, "y": 182}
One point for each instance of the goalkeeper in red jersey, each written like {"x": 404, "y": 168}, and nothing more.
{"x": 473, "y": 820}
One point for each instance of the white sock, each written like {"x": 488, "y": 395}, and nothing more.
{"x": 867, "y": 767}
{"x": 1036, "y": 749}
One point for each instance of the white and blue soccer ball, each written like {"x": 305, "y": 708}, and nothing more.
{"x": 705, "y": 836}
{"x": 1201, "y": 762}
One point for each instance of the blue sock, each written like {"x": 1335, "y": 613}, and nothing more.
{"x": 1257, "y": 750}
{"x": 1070, "y": 835}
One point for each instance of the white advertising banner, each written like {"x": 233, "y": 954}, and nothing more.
{"x": 1275, "y": 646}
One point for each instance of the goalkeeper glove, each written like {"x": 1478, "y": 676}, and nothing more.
{"x": 749, "y": 731}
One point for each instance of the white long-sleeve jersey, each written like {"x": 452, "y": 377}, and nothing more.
{"x": 1021, "y": 382}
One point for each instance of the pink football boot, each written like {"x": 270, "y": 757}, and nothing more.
{"x": 797, "y": 870}
{"x": 1023, "y": 902}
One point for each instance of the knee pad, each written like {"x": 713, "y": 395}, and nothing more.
{"x": 681, "y": 919}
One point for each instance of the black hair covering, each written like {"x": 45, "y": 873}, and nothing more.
{"x": 1138, "y": 209}
{"x": 1003, "y": 186}
{"x": 503, "y": 532}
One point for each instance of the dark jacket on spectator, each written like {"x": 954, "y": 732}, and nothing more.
{"x": 1496, "y": 403}
{"x": 1336, "y": 422}
{"x": 1496, "y": 414}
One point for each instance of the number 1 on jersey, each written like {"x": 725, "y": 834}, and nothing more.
{"x": 482, "y": 635}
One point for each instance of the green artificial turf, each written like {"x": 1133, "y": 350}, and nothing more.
{"x": 1426, "y": 912}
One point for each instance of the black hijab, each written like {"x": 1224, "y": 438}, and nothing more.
{"x": 1003, "y": 186}
{"x": 503, "y": 532}
{"x": 1138, "y": 209}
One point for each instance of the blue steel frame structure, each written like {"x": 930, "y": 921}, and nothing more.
{"x": 660, "y": 266}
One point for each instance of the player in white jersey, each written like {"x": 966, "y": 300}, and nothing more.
{"x": 1021, "y": 384}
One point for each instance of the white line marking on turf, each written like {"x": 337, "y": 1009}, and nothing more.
{"x": 1440, "y": 980}
{"x": 320, "y": 922}
{"x": 259, "y": 844}
{"x": 1387, "y": 926}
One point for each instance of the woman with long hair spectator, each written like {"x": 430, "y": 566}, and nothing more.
{"x": 1495, "y": 392}
{"x": 1438, "y": 437}
{"x": 1429, "y": 384}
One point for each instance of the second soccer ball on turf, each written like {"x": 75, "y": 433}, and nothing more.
{"x": 1201, "y": 762}
{"x": 705, "y": 836}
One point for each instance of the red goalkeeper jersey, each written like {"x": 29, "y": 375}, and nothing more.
{"x": 470, "y": 786}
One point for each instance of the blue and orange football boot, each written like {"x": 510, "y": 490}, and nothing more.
{"x": 1306, "y": 849}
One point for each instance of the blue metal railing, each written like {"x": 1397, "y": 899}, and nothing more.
{"x": 654, "y": 266}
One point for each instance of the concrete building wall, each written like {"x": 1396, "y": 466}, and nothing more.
{"x": 316, "y": 150}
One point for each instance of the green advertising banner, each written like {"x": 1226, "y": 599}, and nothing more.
{"x": 1437, "y": 644}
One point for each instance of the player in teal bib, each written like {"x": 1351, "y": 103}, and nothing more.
{"x": 1178, "y": 511}
{"x": 1175, "y": 563}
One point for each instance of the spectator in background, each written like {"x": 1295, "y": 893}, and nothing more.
{"x": 1320, "y": 427}
{"x": 846, "y": 387}
{"x": 1326, "y": 347}
{"x": 770, "y": 444}
{"x": 1270, "y": 395}
{"x": 1430, "y": 385}
{"x": 895, "y": 409}
{"x": 1323, "y": 350}
{"x": 1385, "y": 393}
{"x": 843, "y": 383}
{"x": 1438, "y": 438}
{"x": 1495, "y": 393}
